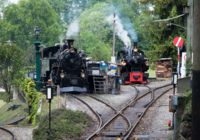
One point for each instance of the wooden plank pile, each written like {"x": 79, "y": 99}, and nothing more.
{"x": 164, "y": 68}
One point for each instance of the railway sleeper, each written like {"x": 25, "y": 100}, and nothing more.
{"x": 141, "y": 137}
{"x": 112, "y": 134}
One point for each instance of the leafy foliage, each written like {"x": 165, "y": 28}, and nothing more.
{"x": 10, "y": 67}
{"x": 17, "y": 26}
{"x": 65, "y": 124}
{"x": 26, "y": 15}
{"x": 32, "y": 98}
{"x": 95, "y": 32}
{"x": 188, "y": 101}
{"x": 159, "y": 36}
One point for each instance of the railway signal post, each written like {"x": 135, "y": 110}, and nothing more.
{"x": 37, "y": 57}
{"x": 178, "y": 42}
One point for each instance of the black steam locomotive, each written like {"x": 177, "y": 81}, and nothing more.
{"x": 133, "y": 65}
{"x": 65, "y": 66}
{"x": 71, "y": 69}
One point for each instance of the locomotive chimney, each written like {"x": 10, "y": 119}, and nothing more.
{"x": 135, "y": 44}
{"x": 70, "y": 42}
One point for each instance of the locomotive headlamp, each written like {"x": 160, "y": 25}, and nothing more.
{"x": 123, "y": 63}
{"x": 82, "y": 75}
{"x": 135, "y": 49}
{"x": 62, "y": 75}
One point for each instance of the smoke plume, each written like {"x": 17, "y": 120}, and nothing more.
{"x": 73, "y": 29}
{"x": 119, "y": 29}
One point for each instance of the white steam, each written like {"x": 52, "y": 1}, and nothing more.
{"x": 73, "y": 29}
{"x": 119, "y": 29}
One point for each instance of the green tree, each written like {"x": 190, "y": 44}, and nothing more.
{"x": 26, "y": 15}
{"x": 11, "y": 65}
{"x": 157, "y": 40}
{"x": 95, "y": 32}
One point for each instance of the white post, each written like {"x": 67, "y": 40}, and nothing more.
{"x": 183, "y": 65}
{"x": 178, "y": 65}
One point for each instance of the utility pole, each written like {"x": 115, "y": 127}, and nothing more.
{"x": 113, "y": 48}
{"x": 196, "y": 72}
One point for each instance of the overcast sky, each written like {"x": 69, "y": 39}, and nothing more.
{"x": 13, "y": 1}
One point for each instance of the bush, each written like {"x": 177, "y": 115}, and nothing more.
{"x": 32, "y": 98}
{"x": 65, "y": 124}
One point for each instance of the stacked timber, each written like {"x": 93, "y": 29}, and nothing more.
{"x": 164, "y": 68}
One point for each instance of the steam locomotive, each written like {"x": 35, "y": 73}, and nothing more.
{"x": 65, "y": 66}
{"x": 71, "y": 69}
{"x": 133, "y": 65}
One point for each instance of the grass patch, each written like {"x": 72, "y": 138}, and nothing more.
{"x": 2, "y": 103}
{"x": 9, "y": 112}
{"x": 4, "y": 96}
{"x": 45, "y": 105}
{"x": 65, "y": 124}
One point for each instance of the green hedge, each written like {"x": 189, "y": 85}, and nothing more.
{"x": 65, "y": 124}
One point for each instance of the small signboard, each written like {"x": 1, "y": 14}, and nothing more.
{"x": 178, "y": 42}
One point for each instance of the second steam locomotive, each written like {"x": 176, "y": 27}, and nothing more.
{"x": 134, "y": 65}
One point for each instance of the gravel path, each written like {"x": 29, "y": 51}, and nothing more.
{"x": 5, "y": 135}
{"x": 154, "y": 126}
{"x": 21, "y": 133}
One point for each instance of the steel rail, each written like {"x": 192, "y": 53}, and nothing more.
{"x": 91, "y": 109}
{"x": 9, "y": 132}
{"x": 131, "y": 102}
{"x": 115, "y": 117}
{"x": 103, "y": 102}
{"x": 144, "y": 112}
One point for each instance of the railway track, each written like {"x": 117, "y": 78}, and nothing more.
{"x": 154, "y": 98}
{"x": 5, "y": 134}
{"x": 123, "y": 127}
{"x": 96, "y": 114}
{"x": 110, "y": 109}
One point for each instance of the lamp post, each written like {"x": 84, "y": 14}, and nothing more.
{"x": 49, "y": 97}
{"x": 174, "y": 81}
{"x": 174, "y": 102}
{"x": 37, "y": 56}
